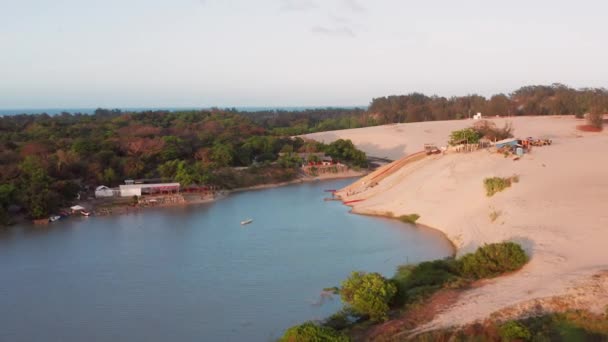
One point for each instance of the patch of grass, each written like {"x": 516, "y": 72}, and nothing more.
{"x": 411, "y": 218}
{"x": 494, "y": 185}
{"x": 495, "y": 214}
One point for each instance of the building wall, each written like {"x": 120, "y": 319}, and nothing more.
{"x": 104, "y": 193}
{"x": 130, "y": 192}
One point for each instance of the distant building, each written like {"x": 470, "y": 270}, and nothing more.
{"x": 477, "y": 116}
{"x": 130, "y": 190}
{"x": 103, "y": 191}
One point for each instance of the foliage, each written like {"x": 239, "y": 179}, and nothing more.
{"x": 310, "y": 332}
{"x": 575, "y": 325}
{"x": 191, "y": 147}
{"x": 554, "y": 99}
{"x": 498, "y": 184}
{"x": 513, "y": 330}
{"x": 468, "y": 135}
{"x": 368, "y": 294}
{"x": 492, "y": 260}
{"x": 487, "y": 129}
{"x": 411, "y": 218}
{"x": 416, "y": 282}
{"x": 595, "y": 118}
{"x": 344, "y": 150}
{"x": 290, "y": 160}
{"x": 35, "y": 186}
{"x": 342, "y": 319}
{"x": 7, "y": 194}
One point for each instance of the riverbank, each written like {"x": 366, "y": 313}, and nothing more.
{"x": 105, "y": 207}
{"x": 556, "y": 211}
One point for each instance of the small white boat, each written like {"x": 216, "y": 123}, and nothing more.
{"x": 85, "y": 213}
{"x": 247, "y": 221}
{"x": 54, "y": 218}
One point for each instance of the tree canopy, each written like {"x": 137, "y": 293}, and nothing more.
{"x": 368, "y": 294}
{"x": 46, "y": 159}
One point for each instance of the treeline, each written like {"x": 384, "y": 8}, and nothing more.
{"x": 555, "y": 99}
{"x": 312, "y": 120}
{"x": 45, "y": 161}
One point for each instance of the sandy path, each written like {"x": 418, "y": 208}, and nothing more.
{"x": 558, "y": 211}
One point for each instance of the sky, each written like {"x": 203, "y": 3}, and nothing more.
{"x": 184, "y": 53}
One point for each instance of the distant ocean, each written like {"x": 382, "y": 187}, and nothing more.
{"x": 55, "y": 111}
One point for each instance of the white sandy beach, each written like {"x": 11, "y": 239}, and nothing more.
{"x": 558, "y": 211}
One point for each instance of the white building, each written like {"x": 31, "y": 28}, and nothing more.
{"x": 103, "y": 191}
{"x": 130, "y": 190}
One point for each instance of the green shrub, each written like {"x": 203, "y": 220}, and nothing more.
{"x": 595, "y": 117}
{"x": 411, "y": 218}
{"x": 416, "y": 282}
{"x": 342, "y": 319}
{"x": 497, "y": 184}
{"x": 512, "y": 330}
{"x": 468, "y": 135}
{"x": 368, "y": 294}
{"x": 493, "y": 260}
{"x": 310, "y": 332}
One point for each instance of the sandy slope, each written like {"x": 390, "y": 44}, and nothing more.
{"x": 558, "y": 211}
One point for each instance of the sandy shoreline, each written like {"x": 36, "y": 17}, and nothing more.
{"x": 557, "y": 211}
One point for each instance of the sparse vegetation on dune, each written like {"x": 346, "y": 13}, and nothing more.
{"x": 494, "y": 215}
{"x": 411, "y": 218}
{"x": 371, "y": 298}
{"x": 494, "y": 185}
{"x": 573, "y": 325}
{"x": 595, "y": 117}
{"x": 481, "y": 129}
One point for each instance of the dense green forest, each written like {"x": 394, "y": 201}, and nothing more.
{"x": 46, "y": 160}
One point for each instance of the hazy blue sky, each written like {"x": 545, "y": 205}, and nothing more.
{"x": 120, "y": 53}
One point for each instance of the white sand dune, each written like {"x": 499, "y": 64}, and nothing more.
{"x": 558, "y": 211}
{"x": 395, "y": 141}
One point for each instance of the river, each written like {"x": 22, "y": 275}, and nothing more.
{"x": 194, "y": 273}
